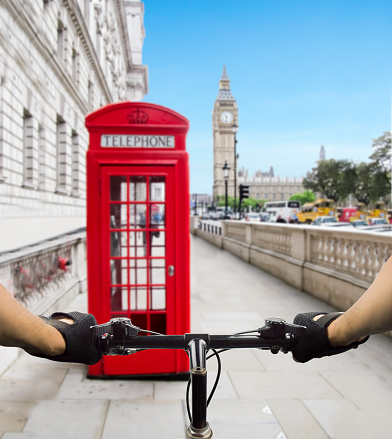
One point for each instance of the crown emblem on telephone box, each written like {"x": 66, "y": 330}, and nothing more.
{"x": 137, "y": 117}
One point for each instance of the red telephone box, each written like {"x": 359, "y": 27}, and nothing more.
{"x": 138, "y": 248}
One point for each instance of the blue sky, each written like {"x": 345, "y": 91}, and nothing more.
{"x": 304, "y": 74}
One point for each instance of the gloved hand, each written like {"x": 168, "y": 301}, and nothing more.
{"x": 78, "y": 340}
{"x": 315, "y": 344}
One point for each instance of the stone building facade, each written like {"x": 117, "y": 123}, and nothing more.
{"x": 59, "y": 60}
{"x": 265, "y": 186}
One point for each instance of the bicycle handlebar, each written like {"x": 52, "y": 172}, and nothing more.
{"x": 119, "y": 337}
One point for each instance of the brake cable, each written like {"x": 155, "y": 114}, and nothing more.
{"x": 218, "y": 373}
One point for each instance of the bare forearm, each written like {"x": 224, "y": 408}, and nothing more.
{"x": 371, "y": 314}
{"x": 20, "y": 328}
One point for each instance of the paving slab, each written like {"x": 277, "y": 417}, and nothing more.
{"x": 259, "y": 395}
{"x": 65, "y": 420}
{"x": 142, "y": 419}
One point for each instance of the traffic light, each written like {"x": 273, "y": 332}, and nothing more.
{"x": 244, "y": 192}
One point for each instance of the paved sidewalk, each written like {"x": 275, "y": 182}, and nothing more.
{"x": 260, "y": 395}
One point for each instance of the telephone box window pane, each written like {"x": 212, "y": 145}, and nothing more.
{"x": 136, "y": 246}
{"x": 157, "y": 216}
{"x": 138, "y": 271}
{"x": 118, "y": 216}
{"x": 157, "y": 188}
{"x": 132, "y": 216}
{"x": 119, "y": 299}
{"x": 119, "y": 271}
{"x": 158, "y": 244}
{"x": 118, "y": 244}
{"x": 137, "y": 188}
{"x": 118, "y": 188}
{"x": 141, "y": 215}
{"x": 158, "y": 272}
{"x": 139, "y": 298}
{"x": 158, "y": 298}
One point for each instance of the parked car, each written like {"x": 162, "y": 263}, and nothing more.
{"x": 377, "y": 221}
{"x": 337, "y": 225}
{"x": 264, "y": 216}
{"x": 321, "y": 220}
{"x": 252, "y": 217}
{"x": 360, "y": 223}
{"x": 224, "y": 216}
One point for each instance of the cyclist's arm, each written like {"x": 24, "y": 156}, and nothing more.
{"x": 20, "y": 328}
{"x": 371, "y": 314}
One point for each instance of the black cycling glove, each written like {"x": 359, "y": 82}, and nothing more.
{"x": 78, "y": 340}
{"x": 315, "y": 344}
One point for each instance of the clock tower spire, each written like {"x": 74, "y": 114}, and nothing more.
{"x": 224, "y": 128}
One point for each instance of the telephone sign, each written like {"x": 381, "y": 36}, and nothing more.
{"x": 136, "y": 141}
{"x": 138, "y": 229}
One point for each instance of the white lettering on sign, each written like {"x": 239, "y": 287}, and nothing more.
{"x": 136, "y": 141}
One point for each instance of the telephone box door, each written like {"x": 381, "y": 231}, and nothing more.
{"x": 138, "y": 258}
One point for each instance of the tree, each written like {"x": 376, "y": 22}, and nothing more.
{"x": 304, "y": 197}
{"x": 371, "y": 182}
{"x": 382, "y": 151}
{"x": 222, "y": 201}
{"x": 329, "y": 178}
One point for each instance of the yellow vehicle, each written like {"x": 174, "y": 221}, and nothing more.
{"x": 379, "y": 211}
{"x": 321, "y": 207}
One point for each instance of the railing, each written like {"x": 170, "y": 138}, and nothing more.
{"x": 209, "y": 226}
{"x": 45, "y": 273}
{"x": 332, "y": 264}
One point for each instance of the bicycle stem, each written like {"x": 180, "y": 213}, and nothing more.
{"x": 199, "y": 427}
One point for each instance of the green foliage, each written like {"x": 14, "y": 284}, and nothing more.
{"x": 246, "y": 203}
{"x": 304, "y": 197}
{"x": 329, "y": 178}
{"x": 382, "y": 151}
{"x": 370, "y": 182}
{"x": 336, "y": 179}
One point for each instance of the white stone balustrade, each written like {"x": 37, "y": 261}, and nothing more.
{"x": 36, "y": 277}
{"x": 336, "y": 265}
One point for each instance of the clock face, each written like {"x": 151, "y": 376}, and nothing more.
{"x": 226, "y": 117}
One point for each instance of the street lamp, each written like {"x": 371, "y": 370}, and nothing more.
{"x": 234, "y": 127}
{"x": 226, "y": 170}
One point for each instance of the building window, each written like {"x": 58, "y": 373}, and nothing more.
{"x": 90, "y": 95}
{"x": 60, "y": 40}
{"x": 76, "y": 165}
{"x": 41, "y": 158}
{"x": 62, "y": 157}
{"x": 75, "y": 66}
{"x": 30, "y": 151}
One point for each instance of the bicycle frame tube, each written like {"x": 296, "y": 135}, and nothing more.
{"x": 199, "y": 427}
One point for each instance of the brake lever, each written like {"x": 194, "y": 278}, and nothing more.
{"x": 118, "y": 328}
{"x": 286, "y": 334}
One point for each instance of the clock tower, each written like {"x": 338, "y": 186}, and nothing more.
{"x": 224, "y": 128}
